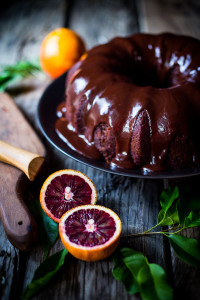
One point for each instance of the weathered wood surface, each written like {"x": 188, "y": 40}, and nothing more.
{"x": 23, "y": 26}
{"x": 176, "y": 16}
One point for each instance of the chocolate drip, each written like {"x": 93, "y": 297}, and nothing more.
{"x": 152, "y": 81}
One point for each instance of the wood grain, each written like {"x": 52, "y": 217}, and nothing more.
{"x": 175, "y": 16}
{"x": 98, "y": 22}
{"x": 23, "y": 26}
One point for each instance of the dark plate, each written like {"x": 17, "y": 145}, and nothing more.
{"x": 53, "y": 95}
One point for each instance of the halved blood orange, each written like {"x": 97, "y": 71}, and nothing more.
{"x": 64, "y": 190}
{"x": 90, "y": 232}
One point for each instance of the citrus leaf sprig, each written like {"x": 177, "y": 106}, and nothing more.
{"x": 11, "y": 74}
{"x": 179, "y": 211}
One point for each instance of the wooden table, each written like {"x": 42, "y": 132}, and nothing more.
{"x": 23, "y": 26}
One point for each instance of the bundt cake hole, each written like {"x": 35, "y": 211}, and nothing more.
{"x": 142, "y": 75}
{"x": 104, "y": 141}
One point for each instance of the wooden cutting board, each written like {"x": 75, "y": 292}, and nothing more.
{"x": 18, "y": 223}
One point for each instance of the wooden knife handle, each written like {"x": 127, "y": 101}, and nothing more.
{"x": 26, "y": 161}
{"x": 18, "y": 223}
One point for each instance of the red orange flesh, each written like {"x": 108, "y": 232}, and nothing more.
{"x": 90, "y": 232}
{"x": 64, "y": 190}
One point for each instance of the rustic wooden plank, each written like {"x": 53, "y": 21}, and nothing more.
{"x": 180, "y": 17}
{"x": 186, "y": 278}
{"x": 23, "y": 26}
{"x": 176, "y": 16}
{"x": 8, "y": 266}
{"x": 97, "y": 22}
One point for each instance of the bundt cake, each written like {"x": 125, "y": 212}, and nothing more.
{"x": 135, "y": 102}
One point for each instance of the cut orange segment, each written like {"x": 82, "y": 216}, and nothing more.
{"x": 90, "y": 232}
{"x": 64, "y": 190}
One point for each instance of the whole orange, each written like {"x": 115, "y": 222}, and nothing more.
{"x": 59, "y": 50}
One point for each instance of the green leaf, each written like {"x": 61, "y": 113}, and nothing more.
{"x": 130, "y": 261}
{"x": 146, "y": 284}
{"x": 168, "y": 215}
{"x": 137, "y": 275}
{"x": 188, "y": 202}
{"x": 167, "y": 197}
{"x": 122, "y": 273}
{"x": 2, "y": 88}
{"x": 186, "y": 249}
{"x": 153, "y": 283}
{"x": 192, "y": 220}
{"x": 163, "y": 289}
{"x": 48, "y": 229}
{"x": 12, "y": 73}
{"x": 44, "y": 273}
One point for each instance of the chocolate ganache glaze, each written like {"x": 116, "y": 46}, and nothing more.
{"x": 135, "y": 102}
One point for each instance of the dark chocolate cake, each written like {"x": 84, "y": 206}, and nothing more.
{"x": 135, "y": 102}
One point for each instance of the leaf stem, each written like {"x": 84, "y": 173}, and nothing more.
{"x": 178, "y": 230}
{"x": 142, "y": 233}
{"x": 151, "y": 229}
{"x": 166, "y": 232}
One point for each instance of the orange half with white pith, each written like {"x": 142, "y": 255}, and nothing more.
{"x": 64, "y": 190}
{"x": 90, "y": 232}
